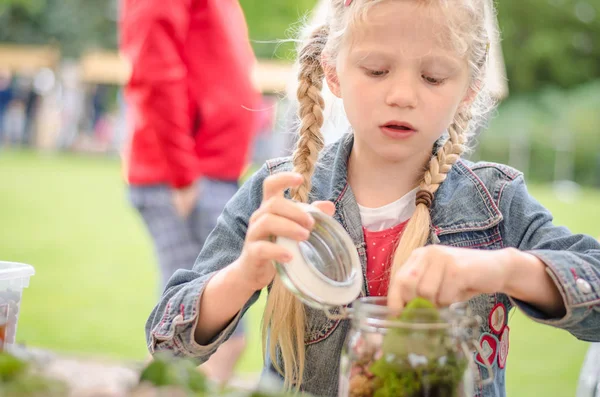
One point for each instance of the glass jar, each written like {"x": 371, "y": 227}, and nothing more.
{"x": 425, "y": 352}
{"x": 325, "y": 270}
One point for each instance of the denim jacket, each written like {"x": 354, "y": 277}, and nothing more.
{"x": 480, "y": 206}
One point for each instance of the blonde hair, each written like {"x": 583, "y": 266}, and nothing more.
{"x": 284, "y": 317}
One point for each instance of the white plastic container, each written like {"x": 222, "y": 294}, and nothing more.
{"x": 13, "y": 278}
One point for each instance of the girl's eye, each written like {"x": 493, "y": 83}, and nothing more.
{"x": 433, "y": 80}
{"x": 376, "y": 73}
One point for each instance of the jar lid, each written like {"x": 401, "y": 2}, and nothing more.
{"x": 325, "y": 270}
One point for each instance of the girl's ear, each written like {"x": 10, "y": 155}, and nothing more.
{"x": 470, "y": 96}
{"x": 331, "y": 76}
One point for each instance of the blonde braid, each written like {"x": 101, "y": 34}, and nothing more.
{"x": 418, "y": 228}
{"x": 441, "y": 164}
{"x": 284, "y": 318}
{"x": 311, "y": 103}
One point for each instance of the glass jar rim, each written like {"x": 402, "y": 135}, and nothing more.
{"x": 306, "y": 275}
{"x": 374, "y": 312}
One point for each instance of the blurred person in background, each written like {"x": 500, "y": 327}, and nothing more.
{"x": 20, "y": 117}
{"x": 31, "y": 100}
{"x": 5, "y": 98}
{"x": 72, "y": 99}
{"x": 190, "y": 102}
{"x": 14, "y": 122}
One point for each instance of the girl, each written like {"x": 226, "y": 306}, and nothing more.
{"x": 411, "y": 75}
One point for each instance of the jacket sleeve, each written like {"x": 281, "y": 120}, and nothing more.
{"x": 573, "y": 261}
{"x": 152, "y": 39}
{"x": 172, "y": 323}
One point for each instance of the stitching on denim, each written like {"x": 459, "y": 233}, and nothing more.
{"x": 274, "y": 163}
{"x": 179, "y": 346}
{"x": 321, "y": 334}
{"x": 486, "y": 243}
{"x": 569, "y": 288}
{"x": 589, "y": 305}
{"x": 589, "y": 272}
{"x": 500, "y": 195}
{"x": 482, "y": 240}
{"x": 341, "y": 195}
{"x": 164, "y": 317}
{"x": 502, "y": 191}
{"x": 499, "y": 167}
{"x": 482, "y": 187}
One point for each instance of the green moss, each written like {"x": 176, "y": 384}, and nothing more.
{"x": 18, "y": 379}
{"x": 403, "y": 341}
{"x": 418, "y": 363}
{"x": 165, "y": 370}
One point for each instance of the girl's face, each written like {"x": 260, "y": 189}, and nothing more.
{"x": 400, "y": 80}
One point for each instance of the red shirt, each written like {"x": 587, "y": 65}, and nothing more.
{"x": 189, "y": 92}
{"x": 380, "y": 247}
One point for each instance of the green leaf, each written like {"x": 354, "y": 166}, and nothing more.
{"x": 11, "y": 367}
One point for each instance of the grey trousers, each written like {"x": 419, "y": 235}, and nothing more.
{"x": 177, "y": 241}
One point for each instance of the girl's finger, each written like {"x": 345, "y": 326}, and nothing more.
{"x": 276, "y": 184}
{"x": 451, "y": 287}
{"x": 267, "y": 251}
{"x": 403, "y": 286}
{"x": 286, "y": 209}
{"x": 431, "y": 282}
{"x": 271, "y": 225}
{"x": 325, "y": 206}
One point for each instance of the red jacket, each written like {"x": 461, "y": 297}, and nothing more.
{"x": 190, "y": 90}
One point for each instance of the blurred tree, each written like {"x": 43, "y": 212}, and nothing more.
{"x": 76, "y": 25}
{"x": 550, "y": 42}
{"x": 31, "y": 5}
{"x": 271, "y": 22}
{"x": 79, "y": 24}
{"x": 545, "y": 42}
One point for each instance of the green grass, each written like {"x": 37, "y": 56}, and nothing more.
{"x": 95, "y": 272}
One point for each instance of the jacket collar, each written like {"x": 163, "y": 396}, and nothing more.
{"x": 462, "y": 203}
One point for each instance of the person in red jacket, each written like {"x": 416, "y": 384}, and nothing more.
{"x": 190, "y": 101}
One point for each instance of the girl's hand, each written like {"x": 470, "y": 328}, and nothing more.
{"x": 277, "y": 216}
{"x": 446, "y": 275}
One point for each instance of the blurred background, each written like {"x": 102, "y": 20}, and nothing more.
{"x": 63, "y": 206}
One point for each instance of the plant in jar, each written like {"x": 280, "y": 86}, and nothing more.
{"x": 419, "y": 358}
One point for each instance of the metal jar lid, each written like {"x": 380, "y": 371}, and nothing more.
{"x": 325, "y": 270}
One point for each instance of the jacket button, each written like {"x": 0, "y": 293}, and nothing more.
{"x": 583, "y": 286}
